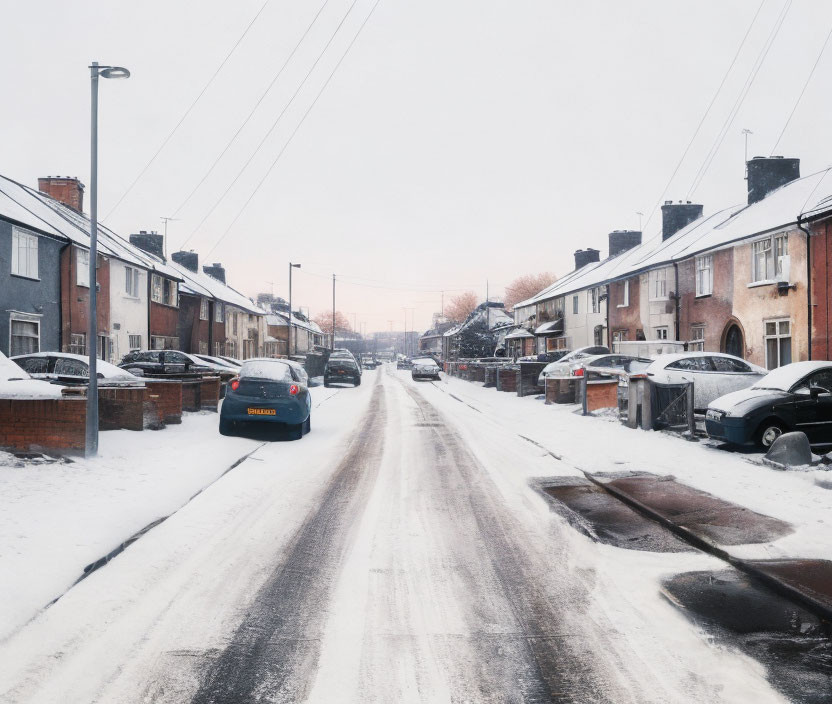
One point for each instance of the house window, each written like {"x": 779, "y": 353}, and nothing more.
{"x": 778, "y": 340}
{"x": 217, "y": 349}
{"x": 131, "y": 281}
{"x": 704, "y": 275}
{"x": 598, "y": 335}
{"x": 24, "y": 254}
{"x": 82, "y": 267}
{"x": 770, "y": 259}
{"x": 234, "y": 325}
{"x": 78, "y": 343}
{"x": 697, "y": 338}
{"x": 574, "y": 305}
{"x": 171, "y": 295}
{"x": 203, "y": 309}
{"x": 25, "y": 336}
{"x": 164, "y": 342}
{"x": 218, "y": 312}
{"x": 625, "y": 295}
{"x": 156, "y": 289}
{"x": 595, "y": 299}
{"x": 657, "y": 280}
{"x": 231, "y": 349}
{"x": 619, "y": 336}
{"x": 660, "y": 333}
{"x": 134, "y": 342}
{"x": 203, "y": 347}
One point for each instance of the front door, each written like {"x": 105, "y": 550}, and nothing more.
{"x": 733, "y": 342}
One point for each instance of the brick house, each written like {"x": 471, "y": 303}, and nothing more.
{"x": 201, "y": 307}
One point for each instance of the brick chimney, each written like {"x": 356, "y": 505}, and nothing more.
{"x": 190, "y": 260}
{"x": 676, "y": 216}
{"x": 622, "y": 240}
{"x": 150, "y": 242}
{"x": 216, "y": 270}
{"x": 767, "y": 173}
{"x": 67, "y": 189}
{"x": 586, "y": 256}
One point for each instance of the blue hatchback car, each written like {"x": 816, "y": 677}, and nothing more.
{"x": 268, "y": 391}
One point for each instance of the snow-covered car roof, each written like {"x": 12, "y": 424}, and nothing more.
{"x": 107, "y": 370}
{"x": 783, "y": 378}
{"x": 663, "y": 360}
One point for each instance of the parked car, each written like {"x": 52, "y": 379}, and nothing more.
{"x": 406, "y": 363}
{"x": 563, "y": 367}
{"x": 217, "y": 360}
{"x": 17, "y": 383}
{"x": 603, "y": 366}
{"x": 368, "y": 361}
{"x": 424, "y": 368}
{"x": 73, "y": 369}
{"x": 231, "y": 360}
{"x": 796, "y": 396}
{"x": 713, "y": 374}
{"x": 162, "y": 362}
{"x": 268, "y": 391}
{"x": 342, "y": 369}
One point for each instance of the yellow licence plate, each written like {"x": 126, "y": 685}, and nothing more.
{"x": 262, "y": 412}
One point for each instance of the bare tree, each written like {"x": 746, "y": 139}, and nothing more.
{"x": 460, "y": 306}
{"x": 526, "y": 286}
{"x": 324, "y": 321}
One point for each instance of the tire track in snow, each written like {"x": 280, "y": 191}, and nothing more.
{"x": 560, "y": 663}
{"x": 273, "y": 654}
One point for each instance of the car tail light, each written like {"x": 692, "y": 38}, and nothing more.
{"x": 235, "y": 384}
{"x": 579, "y": 371}
{"x": 293, "y": 389}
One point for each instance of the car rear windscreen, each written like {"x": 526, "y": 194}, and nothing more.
{"x": 272, "y": 371}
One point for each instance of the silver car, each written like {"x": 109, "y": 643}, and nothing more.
{"x": 424, "y": 368}
{"x": 713, "y": 374}
{"x": 563, "y": 367}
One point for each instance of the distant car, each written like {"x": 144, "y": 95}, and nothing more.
{"x": 268, "y": 391}
{"x": 424, "y": 368}
{"x": 713, "y": 374}
{"x": 342, "y": 369}
{"x": 406, "y": 363}
{"x": 563, "y": 367}
{"x": 796, "y": 396}
{"x": 72, "y": 369}
{"x": 368, "y": 362}
{"x": 163, "y": 362}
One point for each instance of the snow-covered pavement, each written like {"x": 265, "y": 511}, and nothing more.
{"x": 397, "y": 553}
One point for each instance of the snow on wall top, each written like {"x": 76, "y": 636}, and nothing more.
{"x": 41, "y": 212}
{"x": 779, "y": 210}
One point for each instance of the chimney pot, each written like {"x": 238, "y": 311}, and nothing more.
{"x": 622, "y": 240}
{"x": 149, "y": 242}
{"x": 676, "y": 216}
{"x": 766, "y": 174}
{"x": 586, "y": 256}
{"x": 190, "y": 260}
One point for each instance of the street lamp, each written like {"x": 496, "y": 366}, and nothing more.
{"x": 92, "y": 331}
{"x": 289, "y": 346}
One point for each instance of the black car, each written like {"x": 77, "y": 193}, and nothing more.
{"x": 793, "y": 397}
{"x": 342, "y": 369}
{"x": 163, "y": 362}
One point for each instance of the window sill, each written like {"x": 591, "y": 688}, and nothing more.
{"x": 658, "y": 300}
{"x": 704, "y": 295}
{"x": 28, "y": 278}
{"x": 766, "y": 282}
{"x": 623, "y": 305}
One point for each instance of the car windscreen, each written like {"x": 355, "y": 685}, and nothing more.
{"x": 268, "y": 371}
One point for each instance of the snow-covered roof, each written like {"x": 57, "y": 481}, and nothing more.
{"x": 36, "y": 210}
{"x": 202, "y": 284}
{"x": 518, "y": 333}
{"x": 779, "y": 210}
{"x": 552, "y": 326}
{"x": 282, "y": 320}
{"x": 494, "y": 316}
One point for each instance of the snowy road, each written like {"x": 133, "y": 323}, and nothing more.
{"x": 398, "y": 553}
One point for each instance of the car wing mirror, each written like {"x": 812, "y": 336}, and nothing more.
{"x": 815, "y": 391}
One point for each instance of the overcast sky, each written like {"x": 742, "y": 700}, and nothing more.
{"x": 459, "y": 142}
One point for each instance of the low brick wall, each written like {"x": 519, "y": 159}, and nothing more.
{"x": 490, "y": 377}
{"x": 478, "y": 373}
{"x": 121, "y": 408}
{"x": 209, "y": 393}
{"x": 561, "y": 391}
{"x": 164, "y": 402}
{"x": 601, "y": 394}
{"x": 47, "y": 424}
{"x": 507, "y": 380}
{"x": 528, "y": 376}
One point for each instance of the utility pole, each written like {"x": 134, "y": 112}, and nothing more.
{"x": 291, "y": 320}
{"x": 640, "y": 214}
{"x": 332, "y": 345}
{"x": 442, "y": 308}
{"x": 166, "y": 221}
{"x": 746, "y": 132}
{"x": 405, "y": 332}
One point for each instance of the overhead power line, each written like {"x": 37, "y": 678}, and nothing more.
{"x": 729, "y": 120}
{"x": 186, "y": 113}
{"x": 295, "y": 131}
{"x": 800, "y": 97}
{"x": 262, "y": 97}
{"x": 272, "y": 128}
{"x": 705, "y": 114}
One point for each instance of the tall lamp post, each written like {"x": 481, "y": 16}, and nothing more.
{"x": 289, "y": 346}
{"x": 91, "y": 445}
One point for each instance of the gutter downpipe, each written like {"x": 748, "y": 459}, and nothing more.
{"x": 809, "y": 284}
{"x": 609, "y": 332}
{"x": 677, "y": 298}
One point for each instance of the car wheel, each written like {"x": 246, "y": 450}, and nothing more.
{"x": 296, "y": 431}
{"x": 768, "y": 432}
{"x": 326, "y": 383}
{"x": 358, "y": 381}
{"x": 307, "y": 424}
{"x": 226, "y": 426}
